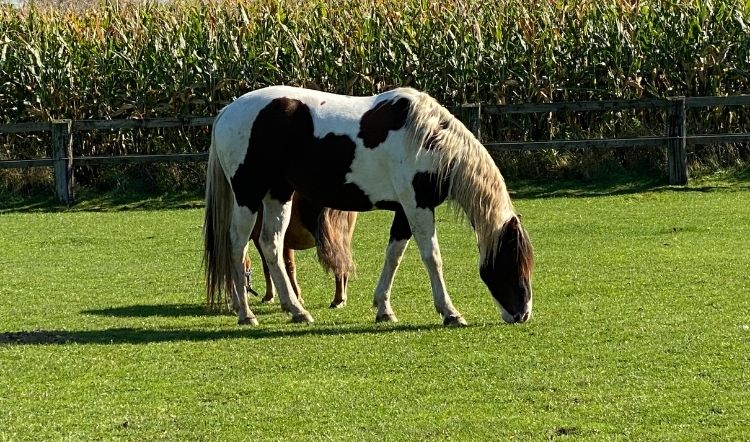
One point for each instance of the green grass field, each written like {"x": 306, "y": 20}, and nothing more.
{"x": 641, "y": 329}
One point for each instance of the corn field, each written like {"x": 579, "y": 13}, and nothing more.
{"x": 114, "y": 60}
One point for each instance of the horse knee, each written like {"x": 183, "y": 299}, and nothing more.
{"x": 268, "y": 245}
{"x": 432, "y": 258}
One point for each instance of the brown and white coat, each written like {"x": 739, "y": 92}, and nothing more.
{"x": 398, "y": 151}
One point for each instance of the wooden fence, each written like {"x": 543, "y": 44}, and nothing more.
{"x": 675, "y": 137}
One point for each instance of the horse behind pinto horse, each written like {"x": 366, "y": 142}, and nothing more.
{"x": 310, "y": 225}
{"x": 399, "y": 151}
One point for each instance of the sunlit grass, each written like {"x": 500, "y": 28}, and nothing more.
{"x": 641, "y": 330}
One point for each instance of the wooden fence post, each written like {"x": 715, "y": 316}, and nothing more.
{"x": 471, "y": 116}
{"x": 62, "y": 157}
{"x": 677, "y": 142}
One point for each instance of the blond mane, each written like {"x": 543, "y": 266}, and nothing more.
{"x": 474, "y": 181}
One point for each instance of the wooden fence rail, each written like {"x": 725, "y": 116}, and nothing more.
{"x": 675, "y": 137}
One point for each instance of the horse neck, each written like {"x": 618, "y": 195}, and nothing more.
{"x": 479, "y": 189}
{"x": 476, "y": 184}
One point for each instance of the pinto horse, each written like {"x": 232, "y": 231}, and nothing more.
{"x": 399, "y": 151}
{"x": 310, "y": 225}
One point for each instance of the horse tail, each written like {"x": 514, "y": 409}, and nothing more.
{"x": 333, "y": 239}
{"x": 216, "y": 239}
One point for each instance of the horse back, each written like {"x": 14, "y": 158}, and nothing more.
{"x": 339, "y": 151}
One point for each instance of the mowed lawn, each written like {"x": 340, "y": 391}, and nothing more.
{"x": 641, "y": 331}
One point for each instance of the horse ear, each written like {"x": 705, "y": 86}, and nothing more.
{"x": 513, "y": 223}
{"x": 512, "y": 229}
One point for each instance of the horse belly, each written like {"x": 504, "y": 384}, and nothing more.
{"x": 298, "y": 237}
{"x": 302, "y": 224}
{"x": 322, "y": 176}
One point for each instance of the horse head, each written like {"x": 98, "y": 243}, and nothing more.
{"x": 507, "y": 274}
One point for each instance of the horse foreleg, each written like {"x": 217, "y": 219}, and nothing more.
{"x": 291, "y": 271}
{"x": 243, "y": 221}
{"x": 422, "y": 222}
{"x": 397, "y": 243}
{"x": 276, "y": 216}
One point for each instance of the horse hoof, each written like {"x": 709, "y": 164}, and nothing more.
{"x": 455, "y": 321}
{"x": 337, "y": 304}
{"x": 247, "y": 321}
{"x": 300, "y": 318}
{"x": 386, "y": 317}
{"x": 267, "y": 299}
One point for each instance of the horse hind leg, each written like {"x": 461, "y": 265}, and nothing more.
{"x": 339, "y": 298}
{"x": 291, "y": 271}
{"x": 276, "y": 215}
{"x": 243, "y": 221}
{"x": 269, "y": 295}
{"x": 333, "y": 239}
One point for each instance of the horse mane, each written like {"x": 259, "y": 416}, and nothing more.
{"x": 474, "y": 181}
{"x": 525, "y": 254}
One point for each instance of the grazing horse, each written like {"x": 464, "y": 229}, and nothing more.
{"x": 311, "y": 225}
{"x": 399, "y": 151}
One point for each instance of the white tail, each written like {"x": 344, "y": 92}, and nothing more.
{"x": 217, "y": 246}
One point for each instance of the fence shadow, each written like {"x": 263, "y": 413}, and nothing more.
{"x": 621, "y": 185}
{"x": 89, "y": 200}
{"x": 113, "y": 336}
{"x": 618, "y": 184}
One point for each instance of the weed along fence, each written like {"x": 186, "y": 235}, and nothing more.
{"x": 675, "y": 137}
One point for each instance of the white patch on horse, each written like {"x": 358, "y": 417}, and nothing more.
{"x": 339, "y": 116}
{"x": 393, "y": 164}
{"x": 234, "y": 129}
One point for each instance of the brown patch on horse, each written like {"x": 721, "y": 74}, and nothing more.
{"x": 283, "y": 121}
{"x": 429, "y": 191}
{"x": 283, "y": 153}
{"x": 377, "y": 122}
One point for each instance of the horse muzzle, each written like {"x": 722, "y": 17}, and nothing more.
{"x": 519, "y": 317}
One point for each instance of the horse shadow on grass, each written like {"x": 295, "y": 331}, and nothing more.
{"x": 153, "y": 310}
{"x": 131, "y": 335}
{"x": 135, "y": 335}
{"x": 179, "y": 310}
